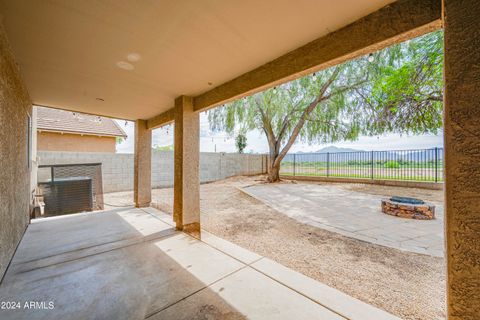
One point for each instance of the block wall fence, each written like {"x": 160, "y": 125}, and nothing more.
{"x": 117, "y": 168}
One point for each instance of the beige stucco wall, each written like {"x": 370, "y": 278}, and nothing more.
{"x": 15, "y": 106}
{"x": 53, "y": 141}
{"x": 462, "y": 158}
{"x": 142, "y": 165}
{"x": 34, "y": 159}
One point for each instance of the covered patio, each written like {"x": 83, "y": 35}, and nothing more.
{"x": 132, "y": 264}
{"x": 165, "y": 62}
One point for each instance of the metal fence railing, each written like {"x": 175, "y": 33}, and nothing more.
{"x": 416, "y": 164}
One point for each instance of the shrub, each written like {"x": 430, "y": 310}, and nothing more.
{"x": 392, "y": 164}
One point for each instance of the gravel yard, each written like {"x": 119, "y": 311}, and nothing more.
{"x": 409, "y": 285}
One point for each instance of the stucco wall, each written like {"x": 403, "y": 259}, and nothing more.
{"x": 117, "y": 168}
{"x": 15, "y": 106}
{"x": 53, "y": 141}
{"x": 462, "y": 158}
{"x": 33, "y": 171}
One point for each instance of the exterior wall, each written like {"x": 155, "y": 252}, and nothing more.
{"x": 34, "y": 170}
{"x": 462, "y": 157}
{"x": 117, "y": 169}
{"x": 52, "y": 141}
{"x": 15, "y": 107}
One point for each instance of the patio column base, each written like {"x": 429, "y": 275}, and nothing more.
{"x": 192, "y": 229}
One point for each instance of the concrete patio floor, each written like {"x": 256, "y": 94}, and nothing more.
{"x": 131, "y": 264}
{"x": 353, "y": 214}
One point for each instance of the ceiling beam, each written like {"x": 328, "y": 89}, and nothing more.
{"x": 161, "y": 119}
{"x": 397, "y": 22}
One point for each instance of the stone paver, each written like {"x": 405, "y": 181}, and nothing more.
{"x": 353, "y": 214}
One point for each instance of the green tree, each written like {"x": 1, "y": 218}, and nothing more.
{"x": 241, "y": 142}
{"x": 392, "y": 164}
{"x": 398, "y": 89}
{"x": 163, "y": 148}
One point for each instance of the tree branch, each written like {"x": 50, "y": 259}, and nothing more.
{"x": 267, "y": 127}
{"x": 306, "y": 112}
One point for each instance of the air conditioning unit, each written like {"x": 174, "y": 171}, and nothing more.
{"x": 67, "y": 195}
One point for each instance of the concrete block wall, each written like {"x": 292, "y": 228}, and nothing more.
{"x": 117, "y": 168}
{"x": 162, "y": 169}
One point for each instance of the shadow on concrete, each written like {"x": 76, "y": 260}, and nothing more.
{"x": 118, "y": 264}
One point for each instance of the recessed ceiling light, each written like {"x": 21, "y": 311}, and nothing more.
{"x": 125, "y": 65}
{"x": 133, "y": 57}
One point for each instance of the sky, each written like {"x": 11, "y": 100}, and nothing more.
{"x": 257, "y": 142}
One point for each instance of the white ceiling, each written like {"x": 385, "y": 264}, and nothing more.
{"x": 69, "y": 52}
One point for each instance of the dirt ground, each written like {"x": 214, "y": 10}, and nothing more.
{"x": 409, "y": 285}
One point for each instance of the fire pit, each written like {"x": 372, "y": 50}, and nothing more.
{"x": 406, "y": 207}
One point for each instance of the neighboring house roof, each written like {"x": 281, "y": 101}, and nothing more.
{"x": 49, "y": 119}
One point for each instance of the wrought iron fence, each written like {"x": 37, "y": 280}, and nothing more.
{"x": 416, "y": 164}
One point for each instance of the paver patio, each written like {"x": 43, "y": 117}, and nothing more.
{"x": 131, "y": 264}
{"x": 353, "y": 214}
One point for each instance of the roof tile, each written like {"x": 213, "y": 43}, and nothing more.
{"x": 50, "y": 119}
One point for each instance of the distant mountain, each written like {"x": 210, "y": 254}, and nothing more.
{"x": 333, "y": 149}
{"x": 337, "y": 154}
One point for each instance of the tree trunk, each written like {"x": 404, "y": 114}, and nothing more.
{"x": 274, "y": 174}
{"x": 273, "y": 169}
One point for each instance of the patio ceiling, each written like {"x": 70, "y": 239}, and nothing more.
{"x": 131, "y": 59}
